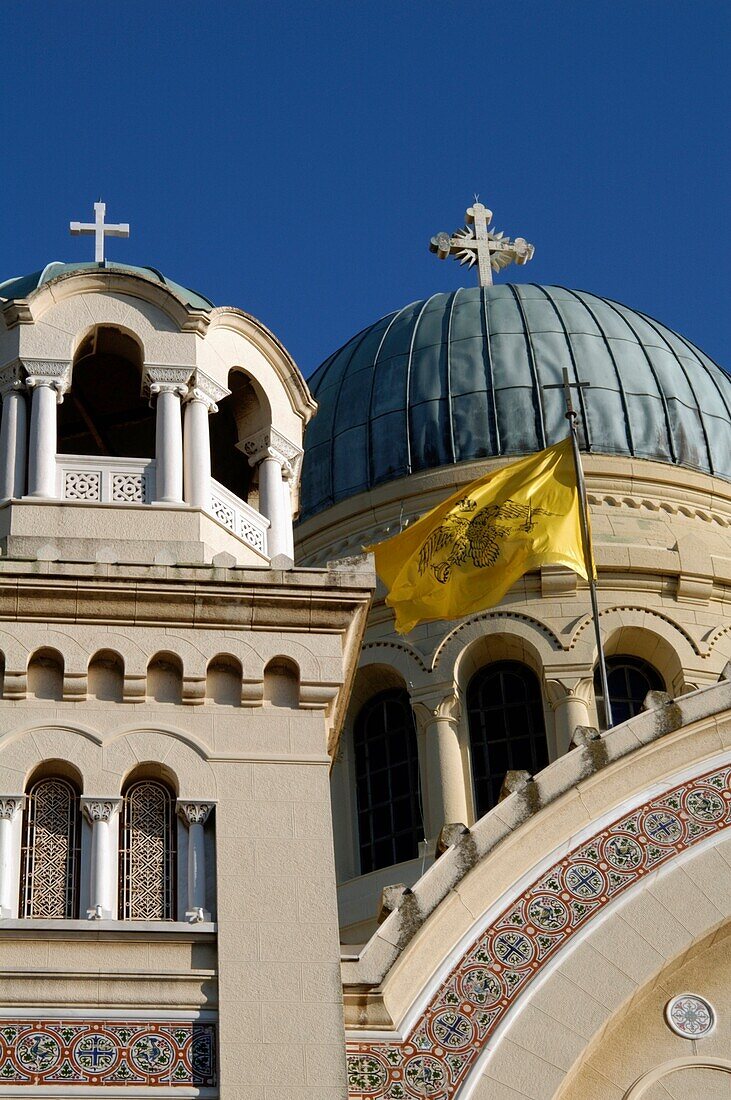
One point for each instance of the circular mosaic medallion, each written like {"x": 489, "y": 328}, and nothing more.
{"x": 366, "y": 1073}
{"x": 152, "y": 1054}
{"x": 663, "y": 827}
{"x": 481, "y": 987}
{"x": 513, "y": 949}
{"x": 38, "y": 1052}
{"x": 705, "y": 805}
{"x": 690, "y": 1016}
{"x": 425, "y": 1075}
{"x": 584, "y": 881}
{"x": 452, "y": 1029}
{"x": 548, "y": 913}
{"x": 622, "y": 852}
{"x": 95, "y": 1053}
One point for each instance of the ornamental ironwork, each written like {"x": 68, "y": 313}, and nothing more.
{"x": 147, "y": 853}
{"x": 50, "y": 856}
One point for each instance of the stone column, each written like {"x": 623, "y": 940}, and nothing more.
{"x": 167, "y": 386}
{"x": 571, "y": 702}
{"x": 276, "y": 459}
{"x": 199, "y": 403}
{"x": 446, "y": 788}
{"x": 102, "y": 815}
{"x": 48, "y": 382}
{"x": 10, "y": 809}
{"x": 195, "y": 815}
{"x": 13, "y": 433}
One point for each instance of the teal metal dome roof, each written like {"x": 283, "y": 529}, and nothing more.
{"x": 23, "y": 285}
{"x": 462, "y": 376}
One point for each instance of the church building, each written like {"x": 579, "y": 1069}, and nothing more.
{"x": 255, "y": 844}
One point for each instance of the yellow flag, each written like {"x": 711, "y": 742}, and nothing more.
{"x": 466, "y": 553}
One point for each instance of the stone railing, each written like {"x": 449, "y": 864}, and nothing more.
{"x": 105, "y": 480}
{"x": 238, "y": 516}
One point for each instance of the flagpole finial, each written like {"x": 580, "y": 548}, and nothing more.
{"x": 476, "y": 244}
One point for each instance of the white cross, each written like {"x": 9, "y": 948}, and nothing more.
{"x": 99, "y": 229}
{"x": 479, "y": 245}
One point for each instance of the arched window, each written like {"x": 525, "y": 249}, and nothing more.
{"x": 629, "y": 680}
{"x": 51, "y": 844}
{"x": 147, "y": 852}
{"x": 104, "y": 412}
{"x": 387, "y": 781}
{"x": 507, "y": 731}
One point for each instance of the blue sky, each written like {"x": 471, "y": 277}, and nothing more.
{"x": 293, "y": 159}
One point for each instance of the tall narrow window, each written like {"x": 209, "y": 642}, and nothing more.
{"x": 50, "y": 856}
{"x": 387, "y": 782}
{"x": 629, "y": 679}
{"x": 507, "y": 731}
{"x": 147, "y": 852}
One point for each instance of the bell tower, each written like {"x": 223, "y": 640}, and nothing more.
{"x": 172, "y": 691}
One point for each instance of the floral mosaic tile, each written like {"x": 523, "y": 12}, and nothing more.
{"x": 436, "y": 1057}
{"x": 107, "y": 1052}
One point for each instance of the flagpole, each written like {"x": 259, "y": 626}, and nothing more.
{"x": 572, "y": 416}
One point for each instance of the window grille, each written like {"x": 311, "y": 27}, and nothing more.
{"x": 629, "y": 679}
{"x": 507, "y": 728}
{"x": 387, "y": 782}
{"x": 147, "y": 853}
{"x": 51, "y": 848}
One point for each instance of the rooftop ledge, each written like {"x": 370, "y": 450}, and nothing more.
{"x": 179, "y": 931}
{"x": 406, "y": 910}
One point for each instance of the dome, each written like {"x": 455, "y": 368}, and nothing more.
{"x": 23, "y": 285}
{"x": 463, "y": 376}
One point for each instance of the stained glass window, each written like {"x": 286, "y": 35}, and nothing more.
{"x": 507, "y": 730}
{"x": 387, "y": 782}
{"x": 147, "y": 853}
{"x": 50, "y": 855}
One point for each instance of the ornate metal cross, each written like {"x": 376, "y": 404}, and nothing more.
{"x": 99, "y": 229}
{"x": 479, "y": 245}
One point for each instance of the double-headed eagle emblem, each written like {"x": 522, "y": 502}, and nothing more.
{"x": 474, "y": 534}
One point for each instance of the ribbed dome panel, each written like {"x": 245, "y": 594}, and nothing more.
{"x": 462, "y": 376}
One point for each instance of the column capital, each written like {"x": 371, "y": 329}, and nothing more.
{"x": 269, "y": 443}
{"x": 559, "y": 692}
{"x": 201, "y": 387}
{"x": 10, "y": 804}
{"x": 436, "y": 705}
{"x": 55, "y": 374}
{"x": 100, "y": 809}
{"x": 193, "y": 812}
{"x": 12, "y": 378}
{"x": 157, "y": 379}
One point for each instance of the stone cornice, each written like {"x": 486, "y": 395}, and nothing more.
{"x": 312, "y": 601}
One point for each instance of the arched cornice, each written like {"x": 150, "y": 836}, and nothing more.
{"x": 635, "y": 615}
{"x": 540, "y": 636}
{"x": 74, "y": 283}
{"x": 302, "y": 401}
{"x": 402, "y": 656}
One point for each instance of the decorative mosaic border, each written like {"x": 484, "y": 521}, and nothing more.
{"x": 449, "y": 1036}
{"x": 108, "y": 1052}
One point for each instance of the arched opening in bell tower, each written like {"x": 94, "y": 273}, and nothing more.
{"x": 242, "y": 413}
{"x": 104, "y": 412}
